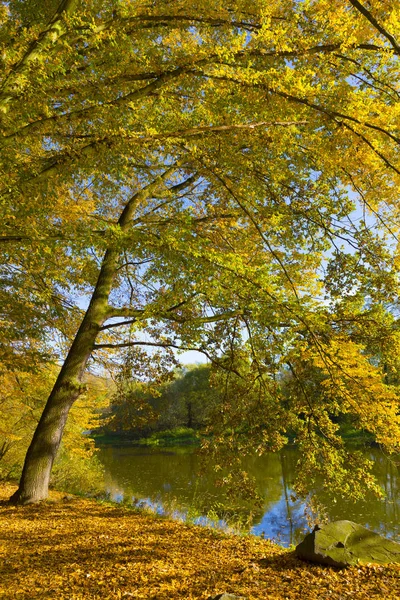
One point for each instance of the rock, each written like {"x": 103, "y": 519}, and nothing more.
{"x": 226, "y": 596}
{"x": 68, "y": 498}
{"x": 344, "y": 543}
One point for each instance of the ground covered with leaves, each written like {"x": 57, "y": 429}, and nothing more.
{"x": 71, "y": 548}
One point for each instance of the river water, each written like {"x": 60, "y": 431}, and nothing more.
{"x": 176, "y": 481}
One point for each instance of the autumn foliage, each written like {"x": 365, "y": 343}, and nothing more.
{"x": 21, "y": 403}
{"x": 213, "y": 177}
{"x": 78, "y": 549}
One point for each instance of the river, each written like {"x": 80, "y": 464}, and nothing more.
{"x": 177, "y": 482}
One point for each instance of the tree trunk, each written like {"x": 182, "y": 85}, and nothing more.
{"x": 189, "y": 415}
{"x": 46, "y": 440}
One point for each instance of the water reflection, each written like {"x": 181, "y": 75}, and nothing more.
{"x": 177, "y": 481}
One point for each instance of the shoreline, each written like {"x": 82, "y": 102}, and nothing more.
{"x": 185, "y": 437}
{"x": 77, "y": 549}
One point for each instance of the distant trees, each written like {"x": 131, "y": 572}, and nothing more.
{"x": 188, "y": 400}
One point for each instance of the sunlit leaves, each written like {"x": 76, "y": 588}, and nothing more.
{"x": 78, "y": 548}
{"x": 233, "y": 171}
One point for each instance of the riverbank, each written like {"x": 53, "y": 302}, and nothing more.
{"x": 180, "y": 436}
{"x": 185, "y": 436}
{"x": 78, "y": 549}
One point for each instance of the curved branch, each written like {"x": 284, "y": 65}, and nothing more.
{"x": 142, "y": 92}
{"x": 367, "y": 14}
{"x": 14, "y": 85}
{"x": 200, "y": 349}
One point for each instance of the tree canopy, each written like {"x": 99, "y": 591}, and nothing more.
{"x": 209, "y": 176}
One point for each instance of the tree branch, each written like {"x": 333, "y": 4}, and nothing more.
{"x": 14, "y": 85}
{"x": 131, "y": 96}
{"x": 368, "y": 15}
{"x": 119, "y": 324}
{"x": 142, "y": 137}
{"x": 141, "y": 314}
{"x": 200, "y": 349}
{"x": 191, "y": 131}
{"x": 259, "y": 231}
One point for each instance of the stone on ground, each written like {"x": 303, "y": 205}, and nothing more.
{"x": 344, "y": 543}
{"x": 226, "y": 596}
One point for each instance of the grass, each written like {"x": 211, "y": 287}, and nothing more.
{"x": 184, "y": 436}
{"x": 355, "y": 437}
{"x": 181, "y": 436}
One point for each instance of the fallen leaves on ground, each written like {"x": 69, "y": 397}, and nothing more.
{"x": 76, "y": 549}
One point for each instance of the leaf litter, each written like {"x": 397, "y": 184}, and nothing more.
{"x": 73, "y": 548}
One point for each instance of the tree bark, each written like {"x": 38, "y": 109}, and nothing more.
{"x": 190, "y": 415}
{"x": 46, "y": 440}
{"x": 42, "y": 451}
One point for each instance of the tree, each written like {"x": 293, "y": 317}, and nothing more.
{"x": 194, "y": 169}
{"x": 22, "y": 400}
{"x": 185, "y": 399}
{"x": 190, "y": 398}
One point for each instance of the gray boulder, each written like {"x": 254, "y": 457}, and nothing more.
{"x": 344, "y": 543}
{"x": 226, "y": 596}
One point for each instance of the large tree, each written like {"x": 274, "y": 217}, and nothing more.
{"x": 196, "y": 170}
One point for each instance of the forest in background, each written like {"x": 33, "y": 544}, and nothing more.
{"x": 181, "y": 410}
